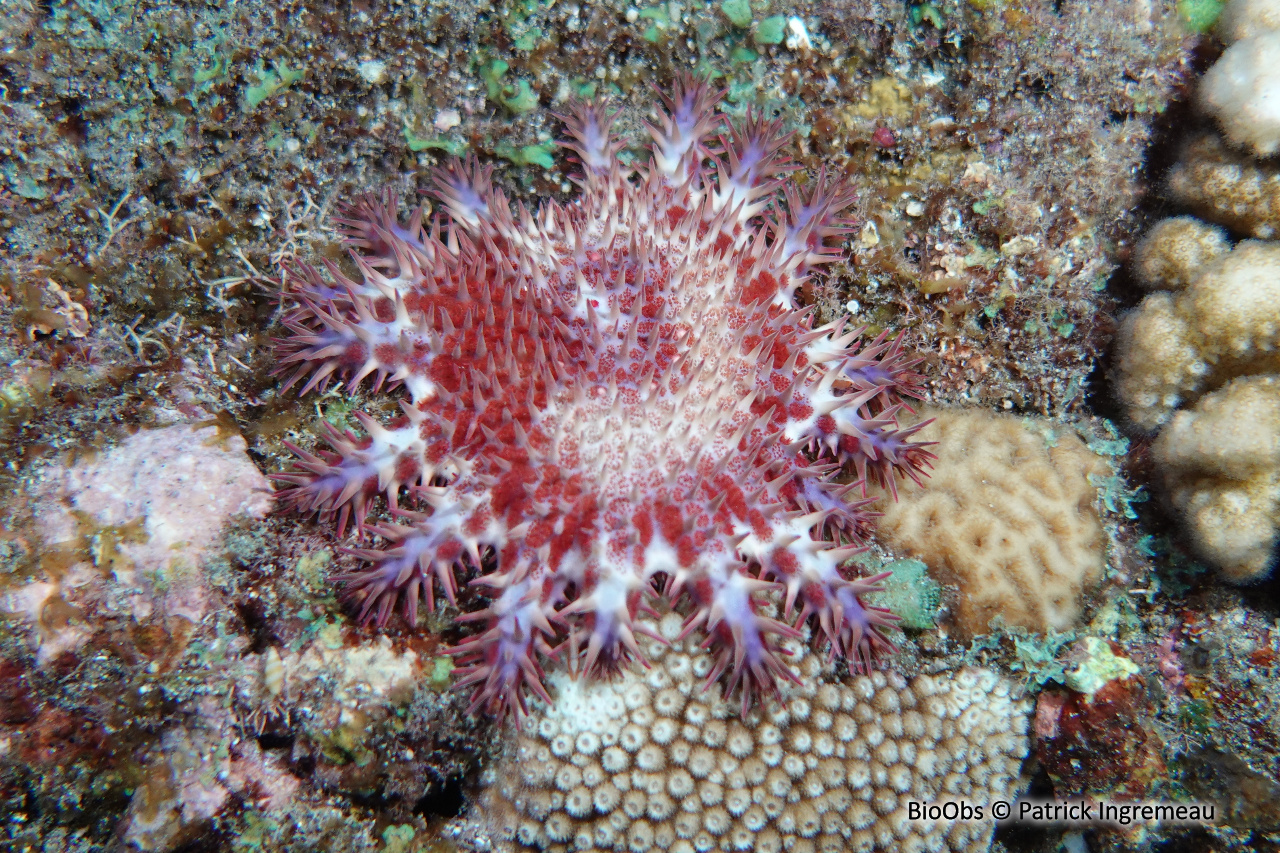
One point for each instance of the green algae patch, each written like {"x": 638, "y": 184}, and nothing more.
{"x": 1199, "y": 16}
{"x": 928, "y": 13}
{"x": 660, "y": 23}
{"x": 449, "y": 146}
{"x": 738, "y": 12}
{"x": 529, "y": 40}
{"x": 528, "y": 155}
{"x": 398, "y": 839}
{"x": 441, "y": 673}
{"x": 771, "y": 30}
{"x": 280, "y": 78}
{"x": 518, "y": 97}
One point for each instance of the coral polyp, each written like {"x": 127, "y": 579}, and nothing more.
{"x": 607, "y": 401}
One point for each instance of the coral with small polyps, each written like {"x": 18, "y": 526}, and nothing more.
{"x": 1007, "y": 517}
{"x": 651, "y": 762}
{"x": 1228, "y": 188}
{"x": 1173, "y": 252}
{"x": 1213, "y": 344}
{"x": 604, "y": 395}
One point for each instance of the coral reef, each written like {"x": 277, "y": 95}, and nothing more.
{"x": 162, "y": 162}
{"x": 1008, "y": 518}
{"x": 160, "y": 180}
{"x": 190, "y": 777}
{"x": 140, "y": 684}
{"x": 964, "y": 245}
{"x": 348, "y": 689}
{"x": 651, "y": 762}
{"x": 608, "y": 397}
{"x": 1227, "y": 725}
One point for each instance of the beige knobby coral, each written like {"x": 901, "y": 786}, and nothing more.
{"x": 1007, "y": 518}
{"x": 1224, "y": 324}
{"x": 1174, "y": 251}
{"x": 1244, "y": 18}
{"x": 651, "y": 762}
{"x": 1228, "y": 188}
{"x": 1221, "y": 463}
{"x": 1211, "y": 340}
{"x": 1242, "y": 89}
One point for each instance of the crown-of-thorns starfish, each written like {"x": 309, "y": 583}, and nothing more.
{"x": 608, "y": 400}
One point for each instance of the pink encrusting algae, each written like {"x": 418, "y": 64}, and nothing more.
{"x": 608, "y": 401}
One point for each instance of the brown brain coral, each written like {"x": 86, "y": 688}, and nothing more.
{"x": 1008, "y": 518}
{"x": 652, "y": 762}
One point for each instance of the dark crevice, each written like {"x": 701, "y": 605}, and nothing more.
{"x": 445, "y": 801}
{"x": 276, "y": 740}
{"x": 1017, "y": 836}
{"x": 208, "y": 842}
{"x": 375, "y": 800}
{"x": 254, "y": 615}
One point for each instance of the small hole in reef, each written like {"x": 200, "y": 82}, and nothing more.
{"x": 276, "y": 740}
{"x": 254, "y": 615}
{"x": 444, "y": 801}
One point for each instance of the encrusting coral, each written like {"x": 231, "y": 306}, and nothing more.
{"x": 650, "y": 761}
{"x": 606, "y": 396}
{"x": 1008, "y": 517}
{"x": 124, "y": 535}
